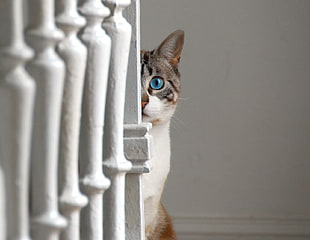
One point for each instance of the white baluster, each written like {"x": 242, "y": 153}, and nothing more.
{"x": 115, "y": 164}
{"x": 48, "y": 70}
{"x": 73, "y": 53}
{"x": 92, "y": 181}
{"x": 136, "y": 139}
{"x": 16, "y": 108}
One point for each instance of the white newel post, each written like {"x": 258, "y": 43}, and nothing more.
{"x": 73, "y": 52}
{"x": 137, "y": 142}
{"x": 48, "y": 71}
{"x": 115, "y": 163}
{"x": 16, "y": 109}
{"x": 92, "y": 181}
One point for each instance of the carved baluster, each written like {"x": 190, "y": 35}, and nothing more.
{"x": 136, "y": 139}
{"x": 115, "y": 163}
{"x": 92, "y": 181}
{"x": 73, "y": 53}
{"x": 16, "y": 109}
{"x": 48, "y": 70}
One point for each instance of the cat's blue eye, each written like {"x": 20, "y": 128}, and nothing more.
{"x": 156, "y": 83}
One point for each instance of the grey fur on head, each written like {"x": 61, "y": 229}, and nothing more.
{"x": 161, "y": 65}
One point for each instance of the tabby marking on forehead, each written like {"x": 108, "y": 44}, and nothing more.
{"x": 162, "y": 63}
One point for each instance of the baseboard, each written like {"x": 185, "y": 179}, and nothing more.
{"x": 231, "y": 228}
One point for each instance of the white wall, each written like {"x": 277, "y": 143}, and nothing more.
{"x": 241, "y": 140}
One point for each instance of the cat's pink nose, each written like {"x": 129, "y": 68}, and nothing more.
{"x": 143, "y": 104}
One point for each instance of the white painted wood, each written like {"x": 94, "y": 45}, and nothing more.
{"x": 115, "y": 164}
{"x": 16, "y": 107}
{"x": 137, "y": 142}
{"x": 73, "y": 52}
{"x": 92, "y": 180}
{"x": 137, "y": 146}
{"x": 133, "y": 111}
{"x": 48, "y": 71}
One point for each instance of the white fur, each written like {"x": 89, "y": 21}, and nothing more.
{"x": 160, "y": 113}
{"x": 152, "y": 110}
{"x": 154, "y": 182}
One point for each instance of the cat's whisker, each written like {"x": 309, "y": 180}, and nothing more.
{"x": 177, "y": 121}
{"x": 174, "y": 125}
{"x": 184, "y": 98}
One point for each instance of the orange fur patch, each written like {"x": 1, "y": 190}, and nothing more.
{"x": 156, "y": 121}
{"x": 162, "y": 228}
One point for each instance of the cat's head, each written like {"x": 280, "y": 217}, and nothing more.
{"x": 160, "y": 79}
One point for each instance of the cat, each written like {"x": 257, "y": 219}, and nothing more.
{"x": 160, "y": 85}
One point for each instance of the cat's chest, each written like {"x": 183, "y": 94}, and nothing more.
{"x": 161, "y": 144}
{"x": 159, "y": 164}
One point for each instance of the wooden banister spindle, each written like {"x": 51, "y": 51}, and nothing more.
{"x": 92, "y": 181}
{"x": 48, "y": 71}
{"x": 136, "y": 139}
{"x": 115, "y": 163}
{"x": 17, "y": 91}
{"x": 73, "y": 52}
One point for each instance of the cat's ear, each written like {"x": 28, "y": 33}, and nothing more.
{"x": 171, "y": 47}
